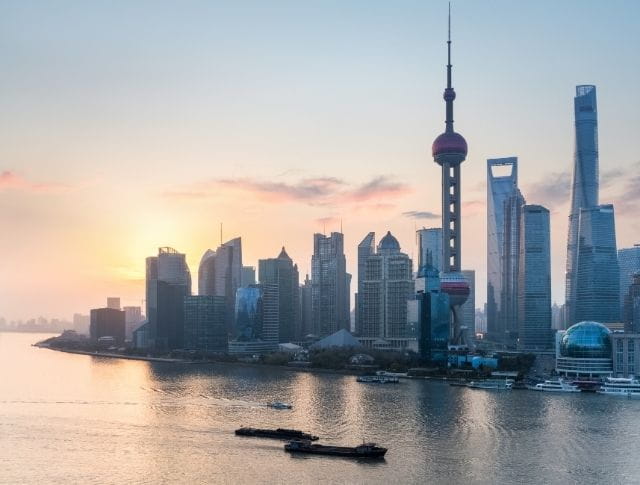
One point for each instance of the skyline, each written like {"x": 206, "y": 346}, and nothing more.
{"x": 226, "y": 138}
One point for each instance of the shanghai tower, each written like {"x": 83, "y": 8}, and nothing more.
{"x": 449, "y": 151}
{"x": 585, "y": 185}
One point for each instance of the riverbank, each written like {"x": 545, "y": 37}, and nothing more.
{"x": 111, "y": 355}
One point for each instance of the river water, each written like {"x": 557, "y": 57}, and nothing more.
{"x": 68, "y": 418}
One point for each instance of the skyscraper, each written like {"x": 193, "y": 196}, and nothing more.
{"x": 204, "y": 323}
{"x": 256, "y": 320}
{"x": 306, "y": 310}
{"x": 365, "y": 249}
{"x": 168, "y": 282}
{"x": 329, "y": 283}
{"x": 107, "y": 322}
{"x": 248, "y": 276}
{"x": 387, "y": 285}
{"x": 283, "y": 273}
{"x": 449, "y": 151}
{"x": 469, "y": 306}
{"x": 133, "y": 319}
{"x": 430, "y": 247}
{"x": 585, "y": 184}
{"x": 220, "y": 274}
{"x": 534, "y": 298}
{"x": 629, "y": 262}
{"x": 113, "y": 302}
{"x": 597, "y": 283}
{"x": 504, "y": 206}
{"x": 631, "y": 314}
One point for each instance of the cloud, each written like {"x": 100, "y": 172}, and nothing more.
{"x": 11, "y": 181}
{"x": 553, "y": 189}
{"x": 318, "y": 191}
{"x": 628, "y": 200}
{"x": 421, "y": 215}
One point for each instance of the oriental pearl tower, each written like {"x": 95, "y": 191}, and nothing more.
{"x": 449, "y": 151}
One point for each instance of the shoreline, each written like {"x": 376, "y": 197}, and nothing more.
{"x": 111, "y": 355}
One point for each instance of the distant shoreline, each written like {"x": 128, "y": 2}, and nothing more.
{"x": 120, "y": 356}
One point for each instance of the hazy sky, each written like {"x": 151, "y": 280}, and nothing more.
{"x": 129, "y": 125}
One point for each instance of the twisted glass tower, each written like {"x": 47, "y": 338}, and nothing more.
{"x": 449, "y": 151}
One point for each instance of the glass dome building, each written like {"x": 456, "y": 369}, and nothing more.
{"x": 584, "y": 350}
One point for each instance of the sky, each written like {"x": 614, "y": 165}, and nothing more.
{"x": 126, "y": 126}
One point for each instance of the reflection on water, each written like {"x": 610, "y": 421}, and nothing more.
{"x": 74, "y": 418}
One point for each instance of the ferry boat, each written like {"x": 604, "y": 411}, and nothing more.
{"x": 378, "y": 379}
{"x": 555, "y": 386}
{"x": 280, "y": 433}
{"x": 365, "y": 450}
{"x": 279, "y": 405}
{"x": 621, "y": 386}
{"x": 497, "y": 384}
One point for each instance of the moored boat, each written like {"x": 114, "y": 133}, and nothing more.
{"x": 555, "y": 386}
{"x": 493, "y": 384}
{"x": 378, "y": 379}
{"x": 365, "y": 450}
{"x": 621, "y": 386}
{"x": 280, "y": 433}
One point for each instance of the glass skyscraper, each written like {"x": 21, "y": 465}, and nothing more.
{"x": 629, "y": 262}
{"x": 204, "y": 323}
{"x": 504, "y": 205}
{"x": 584, "y": 193}
{"x": 329, "y": 285}
{"x": 534, "y": 298}
{"x": 430, "y": 247}
{"x": 597, "y": 289}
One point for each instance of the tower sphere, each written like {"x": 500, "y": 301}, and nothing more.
{"x": 449, "y": 147}
{"x": 456, "y": 286}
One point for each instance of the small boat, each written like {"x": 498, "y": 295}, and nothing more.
{"x": 495, "y": 384}
{"x": 279, "y": 405}
{"x": 555, "y": 386}
{"x": 365, "y": 450}
{"x": 621, "y": 387}
{"x": 280, "y": 433}
{"x": 378, "y": 379}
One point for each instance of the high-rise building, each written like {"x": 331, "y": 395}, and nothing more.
{"x": 81, "y": 323}
{"x": 133, "y": 318}
{"x": 107, "y": 322}
{"x": 597, "y": 283}
{"x": 469, "y": 306}
{"x": 534, "y": 313}
{"x": 282, "y": 273}
{"x": 306, "y": 310}
{"x": 430, "y": 247}
{"x": 449, "y": 151}
{"x": 220, "y": 274}
{"x": 629, "y": 263}
{"x": 168, "y": 281}
{"x": 257, "y": 320}
{"x": 386, "y": 286}
{"x": 113, "y": 302}
{"x": 248, "y": 276}
{"x": 504, "y": 206}
{"x": 557, "y": 317}
{"x": 365, "y": 249}
{"x": 204, "y": 323}
{"x": 584, "y": 194}
{"x": 330, "y": 285}
{"x": 631, "y": 313}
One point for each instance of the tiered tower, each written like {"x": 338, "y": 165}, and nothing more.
{"x": 449, "y": 151}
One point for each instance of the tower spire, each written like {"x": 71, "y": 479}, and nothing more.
{"x": 449, "y": 93}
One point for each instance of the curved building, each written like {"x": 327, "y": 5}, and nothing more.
{"x": 584, "y": 350}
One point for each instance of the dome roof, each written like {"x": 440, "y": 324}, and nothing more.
{"x": 449, "y": 143}
{"x": 389, "y": 242}
{"x": 586, "y": 340}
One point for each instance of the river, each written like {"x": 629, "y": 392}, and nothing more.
{"x": 68, "y": 418}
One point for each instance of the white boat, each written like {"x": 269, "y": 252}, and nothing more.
{"x": 378, "y": 379}
{"x": 279, "y": 405}
{"x": 621, "y": 386}
{"x": 555, "y": 386}
{"x": 391, "y": 374}
{"x": 497, "y": 384}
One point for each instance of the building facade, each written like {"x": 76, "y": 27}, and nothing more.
{"x": 430, "y": 247}
{"x": 504, "y": 207}
{"x": 597, "y": 285}
{"x": 329, "y": 285}
{"x": 306, "y": 310}
{"x": 283, "y": 273}
{"x": 386, "y": 286}
{"x": 469, "y": 306}
{"x": 107, "y": 322}
{"x": 585, "y": 187}
{"x": 626, "y": 354}
{"x": 534, "y": 313}
{"x": 629, "y": 263}
{"x": 113, "y": 302}
{"x": 204, "y": 324}
{"x": 631, "y": 308}
{"x": 248, "y": 276}
{"x": 133, "y": 318}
